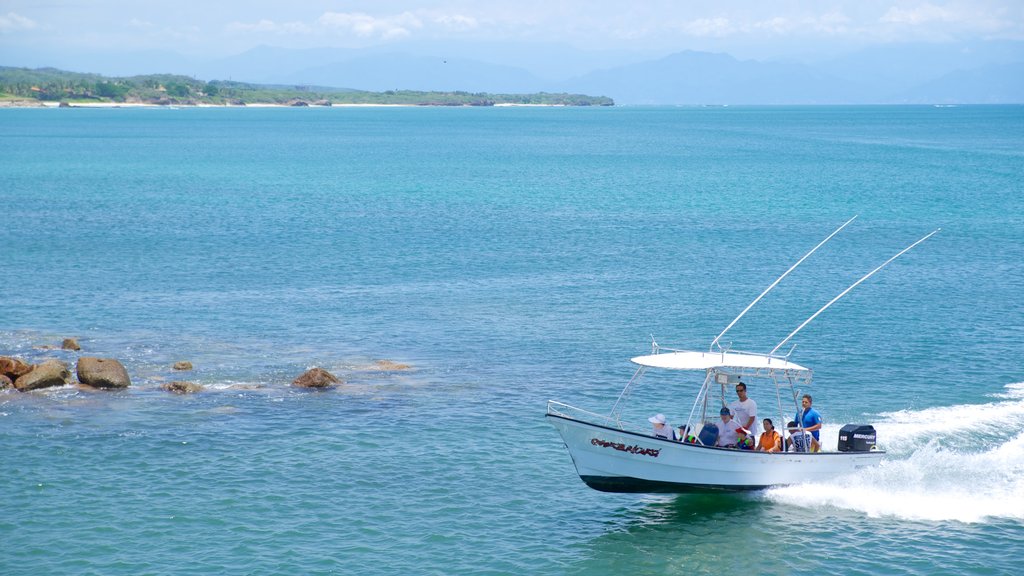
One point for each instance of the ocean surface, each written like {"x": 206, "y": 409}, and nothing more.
{"x": 509, "y": 256}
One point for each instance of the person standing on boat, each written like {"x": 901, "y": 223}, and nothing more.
{"x": 744, "y": 410}
{"x": 661, "y": 427}
{"x": 727, "y": 436}
{"x": 809, "y": 418}
{"x": 770, "y": 440}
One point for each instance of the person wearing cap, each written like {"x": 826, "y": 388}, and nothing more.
{"x": 661, "y": 427}
{"x": 800, "y": 440}
{"x": 808, "y": 417}
{"x": 743, "y": 439}
{"x": 770, "y": 440}
{"x": 727, "y": 436}
{"x": 685, "y": 436}
{"x": 744, "y": 410}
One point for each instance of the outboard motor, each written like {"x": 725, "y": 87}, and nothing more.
{"x": 857, "y": 438}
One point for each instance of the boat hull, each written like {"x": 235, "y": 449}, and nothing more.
{"x": 612, "y": 460}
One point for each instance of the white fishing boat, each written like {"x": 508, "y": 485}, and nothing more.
{"x": 616, "y": 456}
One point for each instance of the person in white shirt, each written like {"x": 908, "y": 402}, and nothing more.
{"x": 800, "y": 440}
{"x": 661, "y": 427}
{"x": 727, "y": 436}
{"x": 744, "y": 410}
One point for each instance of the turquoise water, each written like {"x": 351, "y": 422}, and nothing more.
{"x": 510, "y": 256}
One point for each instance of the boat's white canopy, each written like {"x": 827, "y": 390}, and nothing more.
{"x": 685, "y": 360}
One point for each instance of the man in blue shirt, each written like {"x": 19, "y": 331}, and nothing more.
{"x": 809, "y": 417}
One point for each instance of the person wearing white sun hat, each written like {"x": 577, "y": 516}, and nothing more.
{"x": 661, "y": 427}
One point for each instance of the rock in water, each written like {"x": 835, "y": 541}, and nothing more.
{"x": 389, "y": 366}
{"x": 14, "y": 367}
{"x": 183, "y": 365}
{"x": 316, "y": 378}
{"x": 102, "y": 373}
{"x": 182, "y": 387}
{"x": 70, "y": 344}
{"x": 49, "y": 373}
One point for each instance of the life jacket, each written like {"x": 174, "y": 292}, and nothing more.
{"x": 745, "y": 444}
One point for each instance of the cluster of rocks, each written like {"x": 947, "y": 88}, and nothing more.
{"x": 110, "y": 374}
{"x": 298, "y": 102}
{"x": 103, "y": 373}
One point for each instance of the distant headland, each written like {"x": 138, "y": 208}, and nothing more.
{"x": 52, "y": 87}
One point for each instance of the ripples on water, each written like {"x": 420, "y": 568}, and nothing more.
{"x": 384, "y": 474}
{"x": 510, "y": 256}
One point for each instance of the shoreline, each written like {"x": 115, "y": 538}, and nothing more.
{"x": 49, "y": 104}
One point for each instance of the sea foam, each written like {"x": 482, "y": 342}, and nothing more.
{"x": 963, "y": 463}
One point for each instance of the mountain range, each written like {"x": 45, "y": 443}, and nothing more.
{"x": 912, "y": 73}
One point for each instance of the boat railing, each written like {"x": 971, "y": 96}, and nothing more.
{"x": 566, "y": 411}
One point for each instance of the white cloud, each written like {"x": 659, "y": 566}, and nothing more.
{"x": 269, "y": 26}
{"x": 713, "y": 27}
{"x": 722, "y": 27}
{"x": 136, "y": 23}
{"x": 366, "y": 26}
{"x": 827, "y": 24}
{"x": 923, "y": 14}
{"x": 777, "y": 25}
{"x": 457, "y": 22}
{"x": 832, "y": 23}
{"x": 953, "y": 20}
{"x": 13, "y": 21}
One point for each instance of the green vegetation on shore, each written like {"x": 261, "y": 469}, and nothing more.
{"x": 52, "y": 85}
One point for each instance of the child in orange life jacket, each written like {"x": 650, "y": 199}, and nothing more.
{"x": 744, "y": 441}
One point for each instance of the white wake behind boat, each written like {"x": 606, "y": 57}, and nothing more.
{"x": 613, "y": 456}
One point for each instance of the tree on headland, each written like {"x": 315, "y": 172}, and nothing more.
{"x": 111, "y": 90}
{"x": 177, "y": 89}
{"x": 49, "y": 84}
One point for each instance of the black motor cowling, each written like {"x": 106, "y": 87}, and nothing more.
{"x": 857, "y": 438}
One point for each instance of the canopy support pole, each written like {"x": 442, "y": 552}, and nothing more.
{"x": 689, "y": 420}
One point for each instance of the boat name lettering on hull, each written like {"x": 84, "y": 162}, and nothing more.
{"x": 634, "y": 449}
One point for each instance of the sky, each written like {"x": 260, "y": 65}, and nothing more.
{"x": 742, "y": 28}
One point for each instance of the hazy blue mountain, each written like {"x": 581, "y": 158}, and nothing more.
{"x": 108, "y": 63}
{"x": 894, "y": 73}
{"x": 997, "y": 84}
{"x": 402, "y": 71}
{"x": 895, "y": 68}
{"x": 549, "y": 61}
{"x": 704, "y": 78}
{"x": 269, "y": 64}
